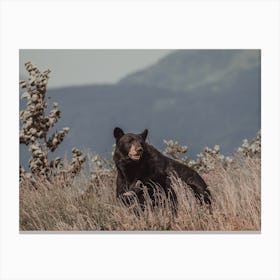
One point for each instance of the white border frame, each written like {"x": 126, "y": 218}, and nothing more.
{"x": 135, "y": 24}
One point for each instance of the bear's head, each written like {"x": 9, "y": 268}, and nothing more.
{"x": 130, "y": 145}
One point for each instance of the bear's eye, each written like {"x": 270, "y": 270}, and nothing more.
{"x": 127, "y": 146}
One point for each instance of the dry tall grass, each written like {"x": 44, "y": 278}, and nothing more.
{"x": 89, "y": 203}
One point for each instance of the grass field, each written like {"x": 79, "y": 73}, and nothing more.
{"x": 89, "y": 203}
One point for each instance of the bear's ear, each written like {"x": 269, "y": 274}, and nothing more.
{"x": 144, "y": 134}
{"x": 118, "y": 133}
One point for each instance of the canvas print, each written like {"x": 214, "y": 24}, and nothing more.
{"x": 140, "y": 140}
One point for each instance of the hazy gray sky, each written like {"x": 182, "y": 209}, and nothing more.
{"x": 80, "y": 67}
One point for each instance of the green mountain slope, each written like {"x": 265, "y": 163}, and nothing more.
{"x": 187, "y": 70}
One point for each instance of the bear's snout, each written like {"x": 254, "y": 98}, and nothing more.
{"x": 135, "y": 151}
{"x": 139, "y": 150}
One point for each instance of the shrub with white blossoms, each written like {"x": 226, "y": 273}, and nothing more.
{"x": 174, "y": 150}
{"x": 35, "y": 126}
{"x": 204, "y": 162}
{"x": 207, "y": 159}
{"x": 251, "y": 149}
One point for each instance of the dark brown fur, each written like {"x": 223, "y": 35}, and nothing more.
{"x": 152, "y": 166}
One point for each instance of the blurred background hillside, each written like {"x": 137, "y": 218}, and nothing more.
{"x": 197, "y": 97}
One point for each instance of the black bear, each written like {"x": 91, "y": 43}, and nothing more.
{"x": 138, "y": 162}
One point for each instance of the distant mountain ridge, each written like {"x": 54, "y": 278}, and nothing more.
{"x": 184, "y": 71}
{"x": 219, "y": 111}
